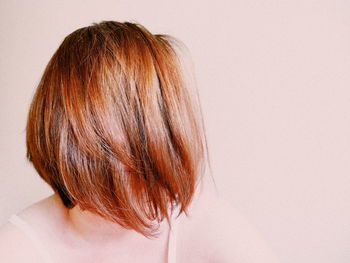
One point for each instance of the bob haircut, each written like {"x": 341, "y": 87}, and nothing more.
{"x": 113, "y": 128}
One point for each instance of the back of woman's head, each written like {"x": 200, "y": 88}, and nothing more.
{"x": 113, "y": 128}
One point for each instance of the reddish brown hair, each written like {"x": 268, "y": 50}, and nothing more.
{"x": 113, "y": 128}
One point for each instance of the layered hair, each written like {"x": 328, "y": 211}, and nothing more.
{"x": 114, "y": 128}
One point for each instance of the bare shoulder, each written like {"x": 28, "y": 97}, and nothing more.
{"x": 216, "y": 232}
{"x": 16, "y": 245}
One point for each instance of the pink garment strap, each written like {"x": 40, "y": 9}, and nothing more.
{"x": 173, "y": 237}
{"x": 32, "y": 235}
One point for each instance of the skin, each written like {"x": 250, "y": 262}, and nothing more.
{"x": 212, "y": 233}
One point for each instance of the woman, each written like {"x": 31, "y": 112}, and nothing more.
{"x": 116, "y": 133}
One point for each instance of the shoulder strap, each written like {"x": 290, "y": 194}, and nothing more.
{"x": 173, "y": 237}
{"x": 30, "y": 233}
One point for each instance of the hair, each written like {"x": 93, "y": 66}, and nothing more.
{"x": 113, "y": 128}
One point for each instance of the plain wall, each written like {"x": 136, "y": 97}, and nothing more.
{"x": 273, "y": 78}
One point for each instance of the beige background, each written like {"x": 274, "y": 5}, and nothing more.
{"x": 273, "y": 78}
